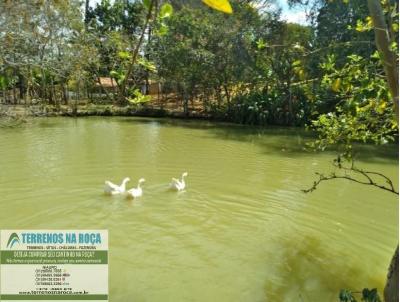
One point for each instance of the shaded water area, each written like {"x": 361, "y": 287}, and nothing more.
{"x": 242, "y": 231}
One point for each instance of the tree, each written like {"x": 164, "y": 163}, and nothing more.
{"x": 385, "y": 37}
{"x": 38, "y": 46}
{"x": 370, "y": 116}
{"x": 206, "y": 54}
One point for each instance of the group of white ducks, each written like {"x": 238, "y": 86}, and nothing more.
{"x": 113, "y": 189}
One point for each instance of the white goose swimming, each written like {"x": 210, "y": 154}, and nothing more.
{"x": 177, "y": 184}
{"x": 113, "y": 189}
{"x": 135, "y": 192}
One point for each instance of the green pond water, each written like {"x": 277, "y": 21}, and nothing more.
{"x": 242, "y": 231}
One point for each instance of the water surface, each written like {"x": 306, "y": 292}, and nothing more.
{"x": 242, "y": 231}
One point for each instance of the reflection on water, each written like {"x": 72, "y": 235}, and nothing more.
{"x": 242, "y": 231}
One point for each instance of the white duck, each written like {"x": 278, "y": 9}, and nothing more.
{"x": 113, "y": 189}
{"x": 135, "y": 192}
{"x": 177, "y": 184}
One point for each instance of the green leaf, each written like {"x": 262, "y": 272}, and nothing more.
{"x": 296, "y": 63}
{"x": 147, "y": 3}
{"x": 3, "y": 84}
{"x": 297, "y": 46}
{"x": 118, "y": 75}
{"x": 162, "y": 30}
{"x": 261, "y": 44}
{"x": 360, "y": 27}
{"x": 393, "y": 46}
{"x": 346, "y": 296}
{"x": 139, "y": 98}
{"x": 114, "y": 74}
{"x": 300, "y": 73}
{"x": 376, "y": 55}
{"x": 124, "y": 55}
{"x": 121, "y": 79}
{"x": 370, "y": 295}
{"x": 336, "y": 85}
{"x": 355, "y": 58}
{"x": 146, "y": 64}
{"x": 166, "y": 10}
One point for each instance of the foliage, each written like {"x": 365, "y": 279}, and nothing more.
{"x": 115, "y": 16}
{"x": 365, "y": 111}
{"x": 367, "y": 295}
{"x": 335, "y": 25}
{"x": 366, "y": 86}
{"x": 247, "y": 67}
{"x": 33, "y": 55}
{"x": 139, "y": 97}
{"x": 265, "y": 108}
{"x": 204, "y": 53}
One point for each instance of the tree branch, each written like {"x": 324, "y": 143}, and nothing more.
{"x": 135, "y": 53}
{"x": 366, "y": 174}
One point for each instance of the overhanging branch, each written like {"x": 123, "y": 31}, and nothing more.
{"x": 367, "y": 178}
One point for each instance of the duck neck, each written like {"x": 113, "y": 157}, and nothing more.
{"x": 124, "y": 183}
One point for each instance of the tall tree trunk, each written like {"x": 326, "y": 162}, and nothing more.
{"x": 14, "y": 89}
{"x": 86, "y": 13}
{"x": 114, "y": 89}
{"x": 64, "y": 93}
{"x": 227, "y": 95}
{"x": 391, "y": 291}
{"x": 290, "y": 102}
{"x": 51, "y": 97}
{"x": 44, "y": 86}
{"x": 135, "y": 52}
{"x": 28, "y": 89}
{"x": 382, "y": 40}
{"x": 28, "y": 94}
{"x": 185, "y": 102}
{"x": 147, "y": 55}
{"x": 14, "y": 95}
{"x": 21, "y": 86}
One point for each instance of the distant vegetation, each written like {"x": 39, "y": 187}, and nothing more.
{"x": 247, "y": 67}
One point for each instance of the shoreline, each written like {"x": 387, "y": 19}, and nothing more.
{"x": 21, "y": 111}
{"x": 16, "y": 115}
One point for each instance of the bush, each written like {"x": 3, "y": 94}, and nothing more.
{"x": 260, "y": 108}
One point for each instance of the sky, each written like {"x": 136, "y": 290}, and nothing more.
{"x": 294, "y": 15}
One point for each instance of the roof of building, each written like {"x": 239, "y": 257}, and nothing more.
{"x": 106, "y": 82}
